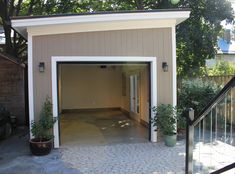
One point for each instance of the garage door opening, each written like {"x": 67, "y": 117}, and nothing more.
{"x": 103, "y": 103}
{"x": 120, "y": 63}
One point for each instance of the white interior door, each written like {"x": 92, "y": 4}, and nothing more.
{"x": 134, "y": 94}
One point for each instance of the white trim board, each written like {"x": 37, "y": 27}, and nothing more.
{"x": 98, "y": 22}
{"x": 174, "y": 66}
{"x": 57, "y": 59}
{"x": 30, "y": 81}
{"x": 160, "y": 15}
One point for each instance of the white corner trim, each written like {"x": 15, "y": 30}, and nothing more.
{"x": 174, "y": 66}
{"x": 30, "y": 81}
{"x": 57, "y": 59}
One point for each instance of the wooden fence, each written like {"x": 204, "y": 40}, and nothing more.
{"x": 220, "y": 80}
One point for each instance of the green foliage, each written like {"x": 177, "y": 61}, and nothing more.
{"x": 195, "y": 94}
{"x": 165, "y": 118}
{"x": 222, "y": 68}
{"x": 41, "y": 129}
{"x": 197, "y": 36}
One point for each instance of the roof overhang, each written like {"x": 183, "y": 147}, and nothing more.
{"x": 36, "y": 26}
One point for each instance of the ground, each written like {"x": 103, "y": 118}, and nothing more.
{"x": 136, "y": 158}
{"x": 128, "y": 153}
{"x": 15, "y": 158}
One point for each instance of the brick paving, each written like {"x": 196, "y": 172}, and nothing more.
{"x": 136, "y": 158}
{"x": 123, "y": 158}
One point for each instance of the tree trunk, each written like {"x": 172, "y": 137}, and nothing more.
{"x": 30, "y": 9}
{"x": 139, "y": 4}
{"x": 8, "y": 44}
{"x": 4, "y": 13}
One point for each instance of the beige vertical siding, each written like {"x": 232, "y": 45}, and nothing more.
{"x": 147, "y": 42}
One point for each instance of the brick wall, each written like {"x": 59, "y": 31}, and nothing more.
{"x": 12, "y": 88}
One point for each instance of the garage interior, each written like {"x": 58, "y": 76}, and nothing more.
{"x": 103, "y": 103}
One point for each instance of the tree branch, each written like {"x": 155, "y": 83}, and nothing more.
{"x": 30, "y": 9}
{"x": 139, "y": 4}
{"x": 18, "y": 7}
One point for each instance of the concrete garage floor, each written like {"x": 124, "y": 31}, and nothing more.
{"x": 100, "y": 128}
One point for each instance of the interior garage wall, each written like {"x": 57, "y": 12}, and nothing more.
{"x": 143, "y": 72}
{"x": 89, "y": 86}
{"x": 141, "y": 42}
{"x": 144, "y": 94}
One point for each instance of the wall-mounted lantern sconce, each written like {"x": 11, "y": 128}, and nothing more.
{"x": 164, "y": 66}
{"x": 41, "y": 66}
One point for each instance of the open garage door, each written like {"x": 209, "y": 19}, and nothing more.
{"x": 94, "y": 102}
{"x": 103, "y": 103}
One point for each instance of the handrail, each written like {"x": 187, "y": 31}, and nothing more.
{"x": 217, "y": 98}
{"x": 224, "y": 169}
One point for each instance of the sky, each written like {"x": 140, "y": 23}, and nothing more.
{"x": 233, "y": 4}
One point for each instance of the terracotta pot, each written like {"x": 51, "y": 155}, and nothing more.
{"x": 40, "y": 148}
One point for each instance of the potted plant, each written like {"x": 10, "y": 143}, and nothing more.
{"x": 41, "y": 130}
{"x": 165, "y": 119}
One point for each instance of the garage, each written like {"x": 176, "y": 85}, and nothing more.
{"x": 101, "y": 39}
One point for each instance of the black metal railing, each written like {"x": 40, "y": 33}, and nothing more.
{"x": 210, "y": 139}
{"x": 224, "y": 169}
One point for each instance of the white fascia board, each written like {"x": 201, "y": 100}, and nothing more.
{"x": 102, "y": 22}
{"x": 100, "y": 18}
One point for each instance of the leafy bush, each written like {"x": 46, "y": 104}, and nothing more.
{"x": 194, "y": 94}
{"x": 222, "y": 68}
{"x": 165, "y": 118}
{"x": 41, "y": 130}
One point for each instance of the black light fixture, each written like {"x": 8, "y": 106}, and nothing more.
{"x": 103, "y": 66}
{"x": 165, "y": 66}
{"x": 41, "y": 66}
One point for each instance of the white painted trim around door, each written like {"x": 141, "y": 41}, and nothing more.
{"x": 30, "y": 82}
{"x": 174, "y": 68}
{"x": 58, "y": 59}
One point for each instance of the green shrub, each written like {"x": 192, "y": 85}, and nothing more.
{"x": 194, "y": 94}
{"x": 165, "y": 118}
{"x": 41, "y": 129}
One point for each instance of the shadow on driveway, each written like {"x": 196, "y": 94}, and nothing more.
{"x": 16, "y": 158}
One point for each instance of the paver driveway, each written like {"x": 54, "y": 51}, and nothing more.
{"x": 116, "y": 146}
{"x": 136, "y": 158}
{"x": 107, "y": 142}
